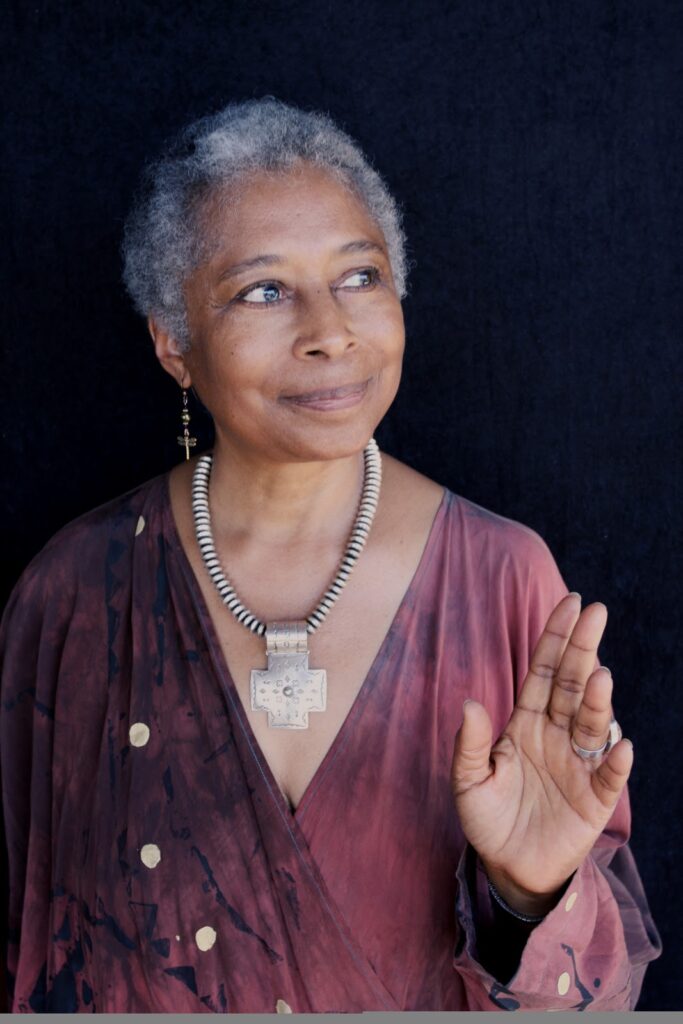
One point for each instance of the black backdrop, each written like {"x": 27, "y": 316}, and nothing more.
{"x": 535, "y": 147}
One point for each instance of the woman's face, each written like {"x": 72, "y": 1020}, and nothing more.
{"x": 297, "y": 331}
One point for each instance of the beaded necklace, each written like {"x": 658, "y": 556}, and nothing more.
{"x": 287, "y": 689}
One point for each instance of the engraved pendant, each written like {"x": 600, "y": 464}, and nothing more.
{"x": 288, "y": 689}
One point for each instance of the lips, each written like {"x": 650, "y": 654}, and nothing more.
{"x": 336, "y": 397}
{"x": 323, "y": 395}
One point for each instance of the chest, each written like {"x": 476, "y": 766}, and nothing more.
{"x": 346, "y": 646}
{"x": 351, "y": 639}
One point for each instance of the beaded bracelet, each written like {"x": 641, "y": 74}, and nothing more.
{"x": 527, "y": 918}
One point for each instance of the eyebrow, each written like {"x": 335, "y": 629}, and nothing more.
{"x": 270, "y": 259}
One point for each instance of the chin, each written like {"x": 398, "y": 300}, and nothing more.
{"x": 331, "y": 441}
{"x": 321, "y": 435}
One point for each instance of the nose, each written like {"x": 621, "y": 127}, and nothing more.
{"x": 323, "y": 327}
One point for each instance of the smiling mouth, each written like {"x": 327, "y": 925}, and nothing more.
{"x": 330, "y": 398}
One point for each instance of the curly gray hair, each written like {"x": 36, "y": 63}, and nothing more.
{"x": 164, "y": 238}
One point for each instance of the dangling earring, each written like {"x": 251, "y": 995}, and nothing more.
{"x": 186, "y": 441}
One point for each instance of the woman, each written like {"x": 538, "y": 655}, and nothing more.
{"x": 207, "y": 810}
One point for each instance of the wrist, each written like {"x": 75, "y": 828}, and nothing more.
{"x": 525, "y": 902}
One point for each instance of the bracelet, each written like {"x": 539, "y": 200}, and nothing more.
{"x": 527, "y": 918}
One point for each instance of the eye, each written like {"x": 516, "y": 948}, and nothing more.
{"x": 361, "y": 279}
{"x": 263, "y": 293}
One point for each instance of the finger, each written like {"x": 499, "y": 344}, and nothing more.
{"x": 577, "y": 664}
{"x": 537, "y": 687}
{"x": 610, "y": 778}
{"x": 472, "y": 750}
{"x": 590, "y": 728}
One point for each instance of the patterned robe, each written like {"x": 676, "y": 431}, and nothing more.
{"x": 154, "y": 863}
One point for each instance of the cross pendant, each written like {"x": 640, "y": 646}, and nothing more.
{"x": 288, "y": 689}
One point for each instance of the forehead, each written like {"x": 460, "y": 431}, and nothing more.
{"x": 280, "y": 210}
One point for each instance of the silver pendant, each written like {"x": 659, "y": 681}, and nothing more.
{"x": 288, "y": 689}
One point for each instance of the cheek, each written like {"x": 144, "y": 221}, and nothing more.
{"x": 388, "y": 329}
{"x": 235, "y": 361}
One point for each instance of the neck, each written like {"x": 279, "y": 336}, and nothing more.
{"x": 282, "y": 504}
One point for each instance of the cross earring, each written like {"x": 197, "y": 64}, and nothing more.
{"x": 186, "y": 441}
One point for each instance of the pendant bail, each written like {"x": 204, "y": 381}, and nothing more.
{"x": 286, "y": 638}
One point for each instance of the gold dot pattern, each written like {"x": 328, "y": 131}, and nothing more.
{"x": 138, "y": 734}
{"x": 150, "y": 855}
{"x": 205, "y": 937}
{"x": 571, "y": 900}
{"x": 563, "y": 983}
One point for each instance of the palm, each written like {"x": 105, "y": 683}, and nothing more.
{"x": 529, "y": 805}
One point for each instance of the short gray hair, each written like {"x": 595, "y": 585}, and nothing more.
{"x": 164, "y": 239}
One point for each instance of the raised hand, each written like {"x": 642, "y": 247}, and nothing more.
{"x": 530, "y": 806}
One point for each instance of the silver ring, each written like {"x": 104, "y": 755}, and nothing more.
{"x": 613, "y": 737}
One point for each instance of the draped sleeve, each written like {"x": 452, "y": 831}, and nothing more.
{"x": 32, "y": 634}
{"x": 591, "y": 950}
{"x": 56, "y": 661}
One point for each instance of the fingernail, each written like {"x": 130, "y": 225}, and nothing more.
{"x": 574, "y": 593}
{"x": 467, "y": 701}
{"x": 606, "y": 669}
{"x": 626, "y": 740}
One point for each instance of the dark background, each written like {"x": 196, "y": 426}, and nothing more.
{"x": 536, "y": 150}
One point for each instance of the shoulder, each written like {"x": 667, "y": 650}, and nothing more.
{"x": 503, "y": 537}
{"x": 477, "y": 526}
{"x": 507, "y": 559}
{"x": 474, "y": 543}
{"x": 80, "y": 549}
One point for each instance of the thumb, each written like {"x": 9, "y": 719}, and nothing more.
{"x": 472, "y": 753}
{"x": 610, "y": 778}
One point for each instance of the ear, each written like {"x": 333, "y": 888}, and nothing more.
{"x": 168, "y": 353}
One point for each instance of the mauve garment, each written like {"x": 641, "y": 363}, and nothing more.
{"x": 170, "y": 875}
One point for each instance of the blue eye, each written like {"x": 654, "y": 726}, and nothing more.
{"x": 361, "y": 278}
{"x": 264, "y": 293}
{"x": 268, "y": 293}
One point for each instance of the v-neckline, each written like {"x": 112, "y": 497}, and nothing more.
{"x": 220, "y": 661}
